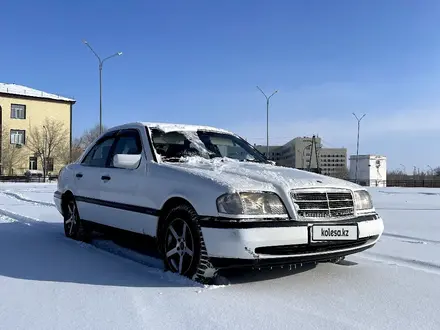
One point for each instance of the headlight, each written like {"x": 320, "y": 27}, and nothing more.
{"x": 362, "y": 200}
{"x": 251, "y": 203}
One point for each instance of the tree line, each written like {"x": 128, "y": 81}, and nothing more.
{"x": 399, "y": 175}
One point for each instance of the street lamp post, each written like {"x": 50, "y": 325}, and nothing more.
{"x": 45, "y": 151}
{"x": 101, "y": 62}
{"x": 267, "y": 117}
{"x": 357, "y": 144}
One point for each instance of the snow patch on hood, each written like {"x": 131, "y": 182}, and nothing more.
{"x": 238, "y": 175}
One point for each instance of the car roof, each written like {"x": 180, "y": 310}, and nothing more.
{"x": 168, "y": 127}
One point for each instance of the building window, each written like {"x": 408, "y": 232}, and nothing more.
{"x": 33, "y": 163}
{"x": 49, "y": 164}
{"x": 18, "y": 136}
{"x": 18, "y": 111}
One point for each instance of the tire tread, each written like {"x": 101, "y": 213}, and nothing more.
{"x": 205, "y": 271}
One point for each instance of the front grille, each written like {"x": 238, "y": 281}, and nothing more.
{"x": 323, "y": 205}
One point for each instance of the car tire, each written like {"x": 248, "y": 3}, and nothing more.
{"x": 182, "y": 246}
{"x": 74, "y": 227}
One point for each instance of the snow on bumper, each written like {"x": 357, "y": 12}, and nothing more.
{"x": 283, "y": 241}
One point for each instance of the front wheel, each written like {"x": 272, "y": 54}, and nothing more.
{"x": 183, "y": 247}
{"x": 73, "y": 226}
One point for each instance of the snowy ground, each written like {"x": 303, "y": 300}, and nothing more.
{"x": 50, "y": 282}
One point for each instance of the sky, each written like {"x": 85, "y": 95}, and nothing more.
{"x": 199, "y": 62}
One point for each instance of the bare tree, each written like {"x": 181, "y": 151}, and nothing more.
{"x": 89, "y": 136}
{"x": 77, "y": 148}
{"x": 80, "y": 144}
{"x": 68, "y": 155}
{"x": 397, "y": 175}
{"x": 11, "y": 154}
{"x": 48, "y": 142}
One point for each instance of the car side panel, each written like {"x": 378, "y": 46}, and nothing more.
{"x": 86, "y": 189}
{"x": 127, "y": 204}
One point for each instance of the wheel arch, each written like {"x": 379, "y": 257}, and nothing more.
{"x": 64, "y": 198}
{"x": 167, "y": 207}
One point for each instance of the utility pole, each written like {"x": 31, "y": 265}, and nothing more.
{"x": 101, "y": 62}
{"x": 316, "y": 155}
{"x": 357, "y": 144}
{"x": 267, "y": 117}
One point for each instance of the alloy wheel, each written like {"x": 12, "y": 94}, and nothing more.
{"x": 71, "y": 221}
{"x": 179, "y": 246}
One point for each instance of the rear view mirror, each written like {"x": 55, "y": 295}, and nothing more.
{"x": 128, "y": 162}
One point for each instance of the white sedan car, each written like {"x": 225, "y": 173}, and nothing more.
{"x": 212, "y": 201}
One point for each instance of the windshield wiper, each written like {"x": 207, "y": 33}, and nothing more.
{"x": 251, "y": 160}
{"x": 172, "y": 159}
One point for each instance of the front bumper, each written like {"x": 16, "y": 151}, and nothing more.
{"x": 282, "y": 242}
{"x": 57, "y": 201}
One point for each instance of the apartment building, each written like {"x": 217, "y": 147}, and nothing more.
{"x": 298, "y": 153}
{"x": 333, "y": 161}
{"x": 25, "y": 111}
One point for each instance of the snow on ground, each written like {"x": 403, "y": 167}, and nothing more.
{"x": 50, "y": 282}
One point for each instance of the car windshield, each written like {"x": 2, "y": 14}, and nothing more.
{"x": 177, "y": 145}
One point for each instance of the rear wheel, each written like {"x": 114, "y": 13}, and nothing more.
{"x": 182, "y": 245}
{"x": 73, "y": 226}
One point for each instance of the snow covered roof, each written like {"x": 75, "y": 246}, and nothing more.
{"x": 14, "y": 89}
{"x": 167, "y": 127}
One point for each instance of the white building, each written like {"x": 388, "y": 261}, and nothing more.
{"x": 298, "y": 153}
{"x": 371, "y": 170}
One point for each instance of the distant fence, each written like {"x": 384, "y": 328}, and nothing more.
{"x": 23, "y": 178}
{"x": 421, "y": 183}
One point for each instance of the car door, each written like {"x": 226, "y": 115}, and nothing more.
{"x": 88, "y": 178}
{"x": 123, "y": 189}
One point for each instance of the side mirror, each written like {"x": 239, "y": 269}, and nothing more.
{"x": 128, "y": 162}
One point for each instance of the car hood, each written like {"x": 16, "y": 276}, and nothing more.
{"x": 255, "y": 176}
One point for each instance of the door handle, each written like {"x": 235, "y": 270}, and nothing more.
{"x": 105, "y": 178}
{"x": 79, "y": 175}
